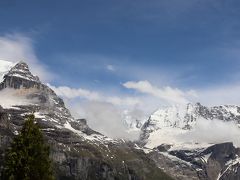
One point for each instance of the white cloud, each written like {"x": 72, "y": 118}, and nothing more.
{"x": 104, "y": 113}
{"x": 168, "y": 94}
{"x": 211, "y": 131}
{"x": 104, "y": 118}
{"x": 16, "y": 47}
{"x": 111, "y": 67}
{"x": 5, "y": 66}
{"x": 203, "y": 133}
{"x": 71, "y": 93}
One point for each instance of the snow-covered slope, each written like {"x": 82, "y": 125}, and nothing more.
{"x": 166, "y": 125}
{"x": 175, "y": 116}
{"x": 21, "y": 70}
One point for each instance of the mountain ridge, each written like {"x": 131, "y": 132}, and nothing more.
{"x": 77, "y": 151}
{"x": 184, "y": 118}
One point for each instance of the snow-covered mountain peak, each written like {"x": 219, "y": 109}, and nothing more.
{"x": 21, "y": 70}
{"x": 19, "y": 75}
{"x": 34, "y": 96}
{"x": 177, "y": 116}
{"x": 170, "y": 122}
{"x": 185, "y": 116}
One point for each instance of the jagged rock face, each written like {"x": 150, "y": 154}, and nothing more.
{"x": 163, "y": 147}
{"x": 232, "y": 172}
{"x": 4, "y": 123}
{"x": 220, "y": 161}
{"x": 178, "y": 169}
{"x": 47, "y": 104}
{"x": 228, "y": 159}
{"x": 78, "y": 152}
{"x": 20, "y": 76}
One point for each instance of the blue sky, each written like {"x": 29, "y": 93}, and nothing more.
{"x": 101, "y": 45}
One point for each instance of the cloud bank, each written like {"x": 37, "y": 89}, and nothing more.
{"x": 167, "y": 94}
{"x": 71, "y": 93}
{"x": 105, "y": 118}
{"x": 104, "y": 113}
{"x": 212, "y": 131}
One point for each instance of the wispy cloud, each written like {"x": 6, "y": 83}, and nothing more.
{"x": 72, "y": 93}
{"x": 111, "y": 67}
{"x": 168, "y": 94}
{"x": 105, "y": 118}
{"x": 16, "y": 47}
{"x": 200, "y": 133}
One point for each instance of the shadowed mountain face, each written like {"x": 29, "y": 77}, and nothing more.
{"x": 78, "y": 152}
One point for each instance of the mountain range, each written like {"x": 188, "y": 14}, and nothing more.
{"x": 169, "y": 146}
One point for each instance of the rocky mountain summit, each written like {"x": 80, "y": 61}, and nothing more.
{"x": 163, "y": 133}
{"x": 20, "y": 76}
{"x": 78, "y": 152}
{"x": 185, "y": 117}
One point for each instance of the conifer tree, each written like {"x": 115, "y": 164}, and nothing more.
{"x": 28, "y": 156}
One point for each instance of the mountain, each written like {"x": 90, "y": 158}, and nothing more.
{"x": 166, "y": 148}
{"x": 77, "y": 151}
{"x": 164, "y": 134}
{"x": 179, "y": 119}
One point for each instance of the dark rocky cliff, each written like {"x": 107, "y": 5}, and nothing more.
{"x": 219, "y": 161}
